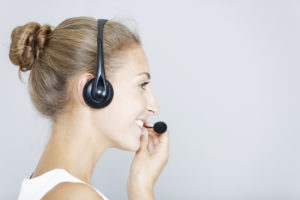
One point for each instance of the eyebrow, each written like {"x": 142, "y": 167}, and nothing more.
{"x": 145, "y": 73}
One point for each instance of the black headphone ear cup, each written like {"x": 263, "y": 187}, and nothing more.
{"x": 91, "y": 101}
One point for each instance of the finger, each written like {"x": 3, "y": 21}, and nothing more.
{"x": 158, "y": 138}
{"x": 164, "y": 140}
{"x": 153, "y": 137}
{"x": 150, "y": 145}
{"x": 144, "y": 140}
{"x": 152, "y": 134}
{"x": 150, "y": 124}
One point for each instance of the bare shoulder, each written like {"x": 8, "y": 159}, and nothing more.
{"x": 72, "y": 191}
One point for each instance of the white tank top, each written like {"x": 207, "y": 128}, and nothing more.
{"x": 35, "y": 188}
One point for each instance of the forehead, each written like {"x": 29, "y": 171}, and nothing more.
{"x": 134, "y": 62}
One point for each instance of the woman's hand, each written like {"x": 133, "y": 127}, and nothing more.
{"x": 149, "y": 161}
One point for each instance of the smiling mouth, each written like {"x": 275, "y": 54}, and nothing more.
{"x": 139, "y": 123}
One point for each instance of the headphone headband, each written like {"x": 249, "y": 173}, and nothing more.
{"x": 98, "y": 92}
{"x": 100, "y": 62}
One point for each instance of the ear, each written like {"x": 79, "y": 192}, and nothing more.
{"x": 82, "y": 80}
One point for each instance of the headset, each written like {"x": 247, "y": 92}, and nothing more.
{"x": 98, "y": 92}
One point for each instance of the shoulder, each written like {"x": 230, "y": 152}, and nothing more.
{"x": 72, "y": 191}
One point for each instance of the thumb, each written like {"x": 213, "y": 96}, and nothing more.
{"x": 144, "y": 140}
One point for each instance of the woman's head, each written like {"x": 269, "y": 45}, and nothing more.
{"x": 63, "y": 59}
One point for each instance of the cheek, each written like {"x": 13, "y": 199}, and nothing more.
{"x": 124, "y": 131}
{"x": 123, "y": 110}
{"x": 130, "y": 104}
{"x": 118, "y": 119}
{"x": 128, "y": 109}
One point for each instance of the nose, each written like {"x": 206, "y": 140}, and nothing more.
{"x": 152, "y": 105}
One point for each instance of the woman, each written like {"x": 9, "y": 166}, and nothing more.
{"x": 62, "y": 61}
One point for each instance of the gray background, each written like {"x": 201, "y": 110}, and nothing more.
{"x": 226, "y": 76}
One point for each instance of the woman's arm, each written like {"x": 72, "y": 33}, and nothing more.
{"x": 137, "y": 192}
{"x": 148, "y": 164}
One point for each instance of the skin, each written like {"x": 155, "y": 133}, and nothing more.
{"x": 82, "y": 134}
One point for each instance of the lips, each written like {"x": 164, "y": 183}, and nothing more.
{"x": 140, "y": 124}
{"x": 143, "y": 120}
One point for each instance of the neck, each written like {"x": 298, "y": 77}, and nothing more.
{"x": 73, "y": 146}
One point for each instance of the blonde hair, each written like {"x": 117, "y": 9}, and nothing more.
{"x": 56, "y": 55}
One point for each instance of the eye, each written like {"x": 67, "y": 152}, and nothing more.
{"x": 143, "y": 84}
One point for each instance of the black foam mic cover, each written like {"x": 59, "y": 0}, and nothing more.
{"x": 160, "y": 127}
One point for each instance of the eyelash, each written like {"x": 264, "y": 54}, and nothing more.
{"x": 144, "y": 84}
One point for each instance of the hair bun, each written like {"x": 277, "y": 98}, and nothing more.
{"x": 27, "y": 43}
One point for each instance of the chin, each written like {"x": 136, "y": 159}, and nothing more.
{"x": 133, "y": 147}
{"x": 130, "y": 142}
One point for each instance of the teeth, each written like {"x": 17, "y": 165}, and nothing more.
{"x": 139, "y": 123}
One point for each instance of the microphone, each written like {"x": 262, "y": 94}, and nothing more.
{"x": 159, "y": 127}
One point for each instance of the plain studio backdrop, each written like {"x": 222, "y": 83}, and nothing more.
{"x": 226, "y": 77}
